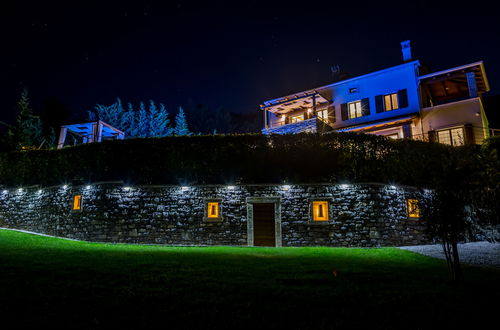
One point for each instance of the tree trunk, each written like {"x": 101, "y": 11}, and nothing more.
{"x": 457, "y": 270}
{"x": 450, "y": 249}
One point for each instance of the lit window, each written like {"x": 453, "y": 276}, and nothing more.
{"x": 391, "y": 102}
{"x": 320, "y": 211}
{"x": 323, "y": 115}
{"x": 354, "y": 109}
{"x": 295, "y": 119}
{"x": 393, "y": 136}
{"x": 413, "y": 208}
{"x": 452, "y": 137}
{"x": 77, "y": 202}
{"x": 213, "y": 210}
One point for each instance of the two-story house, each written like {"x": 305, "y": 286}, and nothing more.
{"x": 397, "y": 102}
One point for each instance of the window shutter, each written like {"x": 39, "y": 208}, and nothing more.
{"x": 379, "y": 103}
{"x": 432, "y": 136}
{"x": 407, "y": 131}
{"x": 343, "y": 111}
{"x": 365, "y": 107}
{"x": 403, "y": 98}
{"x": 331, "y": 114}
{"x": 469, "y": 134}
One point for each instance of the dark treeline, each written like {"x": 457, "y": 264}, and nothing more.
{"x": 39, "y": 128}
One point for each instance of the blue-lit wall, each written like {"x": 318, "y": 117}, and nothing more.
{"x": 388, "y": 81}
{"x": 369, "y": 86}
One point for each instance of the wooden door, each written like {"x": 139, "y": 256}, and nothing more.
{"x": 264, "y": 226}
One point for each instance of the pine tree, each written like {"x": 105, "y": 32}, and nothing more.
{"x": 129, "y": 122}
{"x": 154, "y": 125}
{"x": 28, "y": 131}
{"x": 111, "y": 114}
{"x": 160, "y": 123}
{"x": 143, "y": 121}
{"x": 181, "y": 126}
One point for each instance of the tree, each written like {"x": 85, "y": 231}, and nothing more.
{"x": 446, "y": 210}
{"x": 146, "y": 122}
{"x": 485, "y": 196}
{"x": 445, "y": 216}
{"x": 110, "y": 114}
{"x": 28, "y": 130}
{"x": 129, "y": 122}
{"x": 142, "y": 121}
{"x": 159, "y": 121}
{"x": 181, "y": 126}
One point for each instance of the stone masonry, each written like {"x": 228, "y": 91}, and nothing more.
{"x": 364, "y": 215}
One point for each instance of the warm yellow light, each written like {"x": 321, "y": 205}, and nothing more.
{"x": 413, "y": 208}
{"x": 213, "y": 210}
{"x": 77, "y": 202}
{"x": 320, "y": 211}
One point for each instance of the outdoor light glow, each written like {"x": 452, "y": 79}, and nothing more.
{"x": 286, "y": 187}
{"x": 184, "y": 188}
{"x": 5, "y": 191}
{"x": 283, "y": 117}
{"x": 87, "y": 187}
{"x": 127, "y": 188}
{"x": 344, "y": 186}
{"x": 231, "y": 187}
{"x": 309, "y": 110}
{"x": 20, "y": 190}
{"x": 65, "y": 186}
{"x": 393, "y": 187}
{"x": 39, "y": 191}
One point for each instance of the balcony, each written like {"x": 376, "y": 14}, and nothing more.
{"x": 311, "y": 125}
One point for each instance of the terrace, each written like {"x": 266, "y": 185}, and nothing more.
{"x": 301, "y": 112}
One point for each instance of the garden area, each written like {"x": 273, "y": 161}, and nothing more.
{"x": 60, "y": 283}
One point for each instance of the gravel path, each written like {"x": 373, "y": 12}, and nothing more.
{"x": 478, "y": 253}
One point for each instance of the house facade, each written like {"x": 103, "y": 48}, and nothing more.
{"x": 397, "y": 102}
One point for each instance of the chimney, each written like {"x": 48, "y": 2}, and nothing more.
{"x": 406, "y": 49}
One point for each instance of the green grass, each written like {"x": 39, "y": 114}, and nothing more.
{"x": 49, "y": 281}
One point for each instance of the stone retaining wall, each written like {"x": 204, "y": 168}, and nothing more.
{"x": 360, "y": 215}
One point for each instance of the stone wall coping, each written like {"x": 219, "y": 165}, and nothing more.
{"x": 312, "y": 184}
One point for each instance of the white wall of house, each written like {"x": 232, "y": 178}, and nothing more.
{"x": 457, "y": 114}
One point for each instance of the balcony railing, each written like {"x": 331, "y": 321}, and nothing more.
{"x": 282, "y": 122}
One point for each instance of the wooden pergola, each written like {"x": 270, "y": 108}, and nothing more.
{"x": 93, "y": 131}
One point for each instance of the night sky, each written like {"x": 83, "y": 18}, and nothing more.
{"x": 221, "y": 54}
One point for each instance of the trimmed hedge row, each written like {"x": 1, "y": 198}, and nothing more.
{"x": 247, "y": 158}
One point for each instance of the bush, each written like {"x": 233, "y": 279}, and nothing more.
{"x": 246, "y": 158}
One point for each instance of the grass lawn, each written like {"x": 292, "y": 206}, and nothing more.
{"x": 49, "y": 281}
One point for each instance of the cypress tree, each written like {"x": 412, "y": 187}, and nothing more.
{"x": 181, "y": 126}
{"x": 28, "y": 131}
{"x": 143, "y": 121}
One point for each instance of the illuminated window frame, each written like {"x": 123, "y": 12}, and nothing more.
{"x": 354, "y": 109}
{"x": 326, "y": 209}
{"x": 211, "y": 204}
{"x": 322, "y": 115}
{"x": 413, "y": 208}
{"x": 297, "y": 118}
{"x": 454, "y": 136}
{"x": 77, "y": 203}
{"x": 391, "y": 102}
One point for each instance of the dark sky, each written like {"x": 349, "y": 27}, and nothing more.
{"x": 222, "y": 54}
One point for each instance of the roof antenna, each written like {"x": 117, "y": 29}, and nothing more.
{"x": 335, "y": 69}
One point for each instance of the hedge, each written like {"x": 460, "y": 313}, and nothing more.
{"x": 246, "y": 158}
